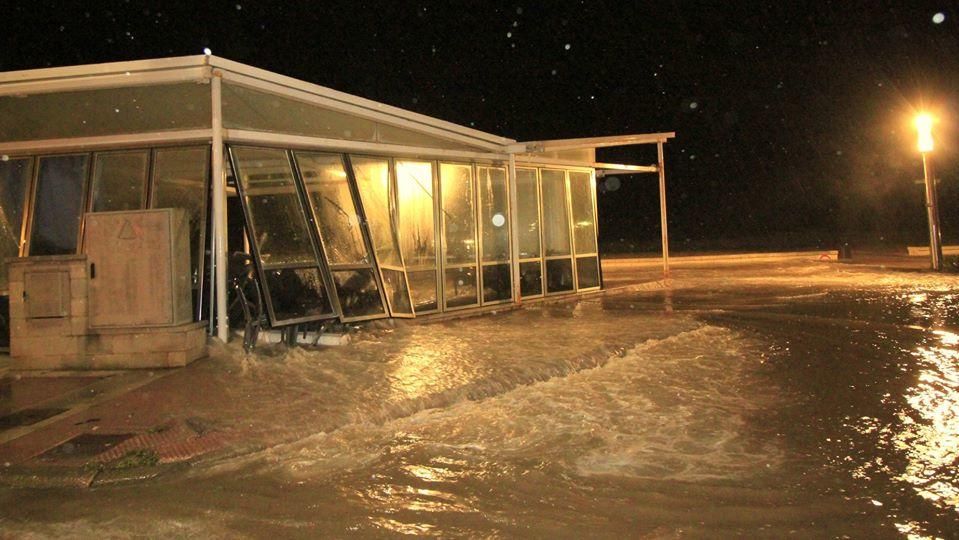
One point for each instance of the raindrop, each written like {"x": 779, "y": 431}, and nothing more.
{"x": 207, "y": 51}
{"x": 553, "y": 72}
{"x": 4, "y": 158}
{"x": 567, "y": 46}
{"x": 612, "y": 183}
{"x": 693, "y": 105}
{"x": 239, "y": 7}
{"x": 938, "y": 17}
{"x": 498, "y": 220}
{"x": 509, "y": 34}
{"x": 116, "y": 110}
{"x": 519, "y": 11}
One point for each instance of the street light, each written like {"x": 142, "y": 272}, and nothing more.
{"x": 924, "y": 124}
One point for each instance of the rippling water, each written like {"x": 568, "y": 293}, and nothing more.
{"x": 761, "y": 410}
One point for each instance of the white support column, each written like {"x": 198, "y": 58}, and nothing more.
{"x": 219, "y": 292}
{"x": 514, "y": 231}
{"x": 662, "y": 208}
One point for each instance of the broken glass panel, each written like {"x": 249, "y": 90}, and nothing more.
{"x": 461, "y": 287}
{"x": 119, "y": 180}
{"x": 278, "y": 222}
{"x": 358, "y": 294}
{"x": 58, "y": 205}
{"x": 531, "y": 278}
{"x": 414, "y": 183}
{"x": 329, "y": 194}
{"x": 297, "y": 293}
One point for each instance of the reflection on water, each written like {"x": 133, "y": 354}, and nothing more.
{"x": 929, "y": 436}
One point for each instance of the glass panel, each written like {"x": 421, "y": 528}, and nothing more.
{"x": 297, "y": 293}
{"x": 329, "y": 193}
{"x": 396, "y": 135}
{"x": 527, "y": 203}
{"x": 494, "y": 213}
{"x": 180, "y": 181}
{"x": 584, "y": 220}
{"x": 58, "y": 205}
{"x": 359, "y": 296}
{"x": 14, "y": 178}
{"x": 414, "y": 186}
{"x": 461, "y": 287}
{"x": 277, "y": 219}
{"x": 119, "y": 181}
{"x": 394, "y": 284}
{"x": 458, "y": 216}
{"x": 245, "y": 108}
{"x": 373, "y": 183}
{"x": 556, "y": 226}
{"x": 110, "y": 111}
{"x": 496, "y": 282}
{"x": 423, "y": 289}
{"x": 587, "y": 272}
{"x": 559, "y": 275}
{"x": 531, "y": 278}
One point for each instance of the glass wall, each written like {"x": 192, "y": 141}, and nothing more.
{"x": 58, "y": 205}
{"x": 584, "y": 229}
{"x": 529, "y": 232}
{"x": 277, "y": 223}
{"x": 373, "y": 184}
{"x": 15, "y": 176}
{"x": 180, "y": 180}
{"x": 119, "y": 181}
{"x": 494, "y": 233}
{"x": 459, "y": 235}
{"x": 417, "y": 231}
{"x": 556, "y": 236}
{"x": 343, "y": 240}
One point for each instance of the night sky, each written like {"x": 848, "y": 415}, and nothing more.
{"x": 793, "y": 119}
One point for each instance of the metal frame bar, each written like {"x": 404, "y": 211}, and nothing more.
{"x": 572, "y": 220}
{"x": 50, "y": 85}
{"x": 662, "y": 208}
{"x": 112, "y": 142}
{"x": 554, "y": 145}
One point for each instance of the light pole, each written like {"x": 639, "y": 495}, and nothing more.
{"x": 924, "y": 129}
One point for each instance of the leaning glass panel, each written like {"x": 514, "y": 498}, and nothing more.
{"x": 397, "y": 294}
{"x": 58, "y": 205}
{"x": 180, "y": 181}
{"x": 373, "y": 183}
{"x": 276, "y": 217}
{"x": 119, "y": 180}
{"x": 358, "y": 294}
{"x": 461, "y": 287}
{"x": 527, "y": 213}
{"x": 531, "y": 278}
{"x": 458, "y": 213}
{"x": 296, "y": 293}
{"x": 559, "y": 275}
{"x": 587, "y": 272}
{"x": 555, "y": 216}
{"x": 414, "y": 185}
{"x": 494, "y": 213}
{"x": 584, "y": 219}
{"x": 496, "y": 282}
{"x": 105, "y": 111}
{"x": 329, "y": 193}
{"x": 14, "y": 178}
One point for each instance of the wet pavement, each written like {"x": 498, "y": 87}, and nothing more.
{"x": 764, "y": 400}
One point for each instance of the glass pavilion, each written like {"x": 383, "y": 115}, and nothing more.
{"x": 352, "y": 209}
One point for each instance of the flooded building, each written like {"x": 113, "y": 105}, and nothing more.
{"x": 349, "y": 209}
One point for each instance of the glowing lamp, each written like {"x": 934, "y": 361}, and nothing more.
{"x": 924, "y": 129}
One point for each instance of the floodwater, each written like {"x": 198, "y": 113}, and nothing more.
{"x": 804, "y": 402}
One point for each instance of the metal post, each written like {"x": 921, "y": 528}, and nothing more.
{"x": 514, "y": 231}
{"x": 932, "y": 209}
{"x": 219, "y": 213}
{"x": 662, "y": 208}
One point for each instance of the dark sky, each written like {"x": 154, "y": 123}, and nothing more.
{"x": 792, "y": 118}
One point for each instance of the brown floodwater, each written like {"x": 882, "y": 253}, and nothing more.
{"x": 794, "y": 406}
